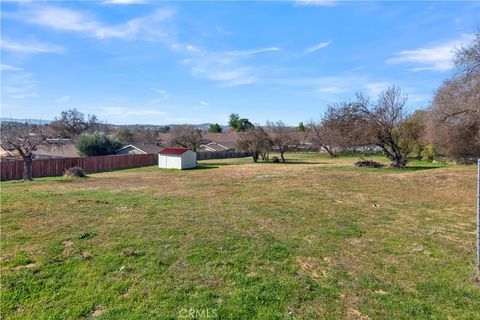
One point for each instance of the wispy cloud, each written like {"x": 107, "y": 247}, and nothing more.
{"x": 125, "y": 2}
{"x": 124, "y": 111}
{"x": 356, "y": 69}
{"x": 253, "y": 52}
{"x": 436, "y": 58}
{"x": 18, "y": 85}
{"x": 30, "y": 47}
{"x": 24, "y": 95}
{"x": 59, "y": 18}
{"x": 6, "y": 67}
{"x": 317, "y": 47}
{"x": 324, "y": 3}
{"x": 229, "y": 67}
{"x": 163, "y": 93}
{"x": 63, "y": 99}
{"x": 204, "y": 103}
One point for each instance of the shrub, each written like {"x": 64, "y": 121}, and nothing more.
{"x": 275, "y": 160}
{"x": 364, "y": 163}
{"x": 428, "y": 153}
{"x": 97, "y": 144}
{"x": 75, "y": 172}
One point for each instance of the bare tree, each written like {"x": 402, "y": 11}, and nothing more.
{"x": 321, "y": 136}
{"x": 282, "y": 137}
{"x": 23, "y": 139}
{"x": 254, "y": 140}
{"x": 72, "y": 123}
{"x": 186, "y": 136}
{"x": 454, "y": 117}
{"x": 467, "y": 58}
{"x": 386, "y": 124}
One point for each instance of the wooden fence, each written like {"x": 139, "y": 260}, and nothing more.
{"x": 12, "y": 170}
{"x": 206, "y": 155}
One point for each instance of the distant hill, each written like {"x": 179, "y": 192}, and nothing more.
{"x": 23, "y": 121}
{"x": 202, "y": 126}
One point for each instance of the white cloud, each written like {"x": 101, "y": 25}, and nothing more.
{"x": 437, "y": 58}
{"x": 329, "y": 90}
{"x": 18, "y": 85}
{"x": 30, "y": 47}
{"x": 204, "y": 103}
{"x": 356, "y": 69}
{"x": 317, "y": 47}
{"x": 23, "y": 95}
{"x": 63, "y": 99}
{"x": 229, "y": 67}
{"x": 6, "y": 67}
{"x": 147, "y": 27}
{"x": 123, "y": 2}
{"x": 375, "y": 88}
{"x": 163, "y": 93}
{"x": 253, "y": 52}
{"x": 324, "y": 3}
{"x": 124, "y": 111}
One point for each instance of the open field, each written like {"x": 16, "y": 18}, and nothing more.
{"x": 314, "y": 238}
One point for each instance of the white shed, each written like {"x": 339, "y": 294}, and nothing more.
{"x": 177, "y": 158}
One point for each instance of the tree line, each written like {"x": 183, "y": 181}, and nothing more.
{"x": 450, "y": 127}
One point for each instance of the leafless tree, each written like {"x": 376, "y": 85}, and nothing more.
{"x": 386, "y": 124}
{"x": 467, "y": 58}
{"x": 254, "y": 140}
{"x": 321, "y": 136}
{"x": 454, "y": 117}
{"x": 72, "y": 123}
{"x": 343, "y": 127}
{"x": 186, "y": 136}
{"x": 281, "y": 136}
{"x": 23, "y": 139}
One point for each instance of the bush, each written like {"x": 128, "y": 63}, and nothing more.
{"x": 97, "y": 144}
{"x": 428, "y": 153}
{"x": 275, "y": 160}
{"x": 74, "y": 172}
{"x": 364, "y": 163}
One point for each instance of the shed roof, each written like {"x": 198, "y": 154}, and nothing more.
{"x": 174, "y": 151}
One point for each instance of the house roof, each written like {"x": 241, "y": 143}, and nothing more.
{"x": 214, "y": 146}
{"x": 174, "y": 151}
{"x": 207, "y": 137}
{"x": 58, "y": 149}
{"x": 144, "y": 147}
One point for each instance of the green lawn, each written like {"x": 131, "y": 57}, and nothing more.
{"x": 314, "y": 238}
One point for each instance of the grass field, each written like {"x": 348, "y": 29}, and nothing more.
{"x": 314, "y": 238}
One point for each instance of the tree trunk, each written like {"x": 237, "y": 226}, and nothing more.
{"x": 27, "y": 168}
{"x": 398, "y": 162}
{"x": 255, "y": 156}
{"x": 281, "y": 156}
{"x": 329, "y": 151}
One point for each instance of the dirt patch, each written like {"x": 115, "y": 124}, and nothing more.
{"x": 357, "y": 315}
{"x": 27, "y": 266}
{"x": 99, "y": 310}
{"x": 311, "y": 267}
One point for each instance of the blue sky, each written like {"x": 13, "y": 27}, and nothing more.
{"x": 133, "y": 61}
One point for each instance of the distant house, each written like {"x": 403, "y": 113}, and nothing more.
{"x": 210, "y": 141}
{"x": 52, "y": 149}
{"x": 177, "y": 158}
{"x": 140, "y": 148}
{"x": 215, "y": 146}
{"x": 56, "y": 149}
